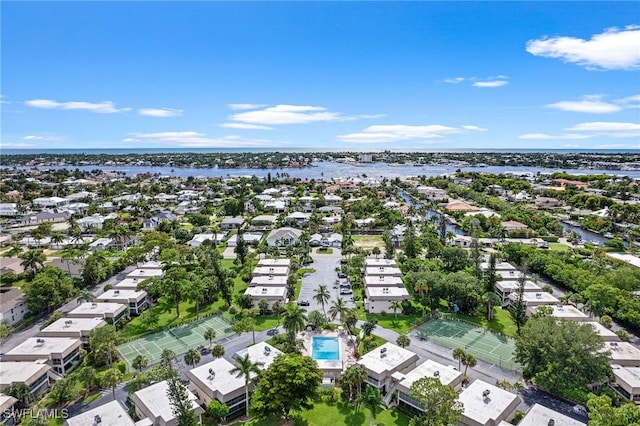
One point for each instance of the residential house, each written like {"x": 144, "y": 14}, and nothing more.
{"x": 232, "y": 222}
{"x": 93, "y": 222}
{"x": 284, "y": 236}
{"x": 269, "y": 262}
{"x": 110, "y": 414}
{"x": 266, "y": 271}
{"x": 261, "y": 352}
{"x": 445, "y": 374}
{"x": 460, "y": 206}
{"x": 135, "y": 300}
{"x": 627, "y": 383}
{"x": 35, "y": 375}
{"x": 251, "y": 238}
{"x": 605, "y": 334}
{"x": 43, "y": 202}
{"x": 61, "y": 353}
{"x": 531, "y": 299}
{"x": 100, "y": 244}
{"x": 9, "y": 209}
{"x": 73, "y": 267}
{"x": 382, "y": 362}
{"x": 269, "y": 293}
{"x": 379, "y": 299}
{"x": 264, "y": 220}
{"x": 110, "y": 312}
{"x": 505, "y": 288}
{"x": 298, "y": 218}
{"x": 431, "y": 193}
{"x": 45, "y": 216}
{"x": 198, "y": 239}
{"x": 623, "y": 354}
{"x": 13, "y": 307}
{"x": 539, "y": 415}
{"x": 565, "y": 312}
{"x": 77, "y": 328}
{"x": 512, "y": 225}
{"x": 7, "y": 415}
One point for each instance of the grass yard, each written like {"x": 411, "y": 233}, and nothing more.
{"x": 326, "y": 250}
{"x": 263, "y": 323}
{"x": 558, "y": 247}
{"x": 340, "y": 413}
{"x": 402, "y": 324}
{"x": 368, "y": 241}
{"x": 501, "y": 323}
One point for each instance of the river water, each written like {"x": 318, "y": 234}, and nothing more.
{"x": 328, "y": 170}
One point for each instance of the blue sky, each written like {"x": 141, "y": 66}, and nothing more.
{"x": 354, "y": 75}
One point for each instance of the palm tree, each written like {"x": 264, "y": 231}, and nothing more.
{"x": 369, "y": 326}
{"x": 84, "y": 295}
{"x": 33, "y": 260}
{"x": 338, "y": 309}
{"x": 403, "y": 341}
{"x": 421, "y": 287}
{"x": 490, "y": 299}
{"x": 57, "y": 238}
{"x": 140, "y": 362}
{"x": 354, "y": 376}
{"x": 294, "y": 320}
{"x": 110, "y": 379}
{"x": 395, "y": 305}
{"x": 87, "y": 376}
{"x": 245, "y": 368}
{"x": 15, "y": 250}
{"x": 468, "y": 360}
{"x": 459, "y": 353}
{"x": 167, "y": 356}
{"x": 218, "y": 351}
{"x": 322, "y": 296}
{"x": 371, "y": 399}
{"x": 210, "y": 334}
{"x": 192, "y": 357}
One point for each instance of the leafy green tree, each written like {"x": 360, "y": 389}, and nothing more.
{"x": 149, "y": 319}
{"x": 173, "y": 286}
{"x": 468, "y": 361}
{"x": 110, "y": 380}
{"x": 88, "y": 376}
{"x": 371, "y": 399}
{"x": 181, "y": 404}
{"x": 103, "y": 345}
{"x": 369, "y": 326}
{"x": 48, "y": 290}
{"x": 316, "y": 320}
{"x": 561, "y": 356}
{"x": 140, "y": 362}
{"x": 291, "y": 383}
{"x": 410, "y": 246}
{"x": 322, "y": 296}
{"x": 192, "y": 357}
{"x": 241, "y": 249}
{"x": 518, "y": 307}
{"x": 439, "y": 401}
{"x": 218, "y": 409}
{"x": 454, "y": 258}
{"x": 22, "y": 393}
{"x": 246, "y": 369}
{"x": 603, "y": 413}
{"x": 62, "y": 391}
{"x": 95, "y": 269}
{"x": 243, "y": 326}
{"x": 351, "y": 381}
{"x": 167, "y": 357}
{"x": 32, "y": 261}
{"x": 194, "y": 290}
{"x": 403, "y": 341}
{"x": 389, "y": 248}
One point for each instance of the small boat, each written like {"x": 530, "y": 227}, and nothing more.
{"x": 609, "y": 235}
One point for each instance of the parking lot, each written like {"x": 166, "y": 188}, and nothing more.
{"x": 325, "y": 273}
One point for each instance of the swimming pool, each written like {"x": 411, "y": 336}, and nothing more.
{"x": 325, "y": 348}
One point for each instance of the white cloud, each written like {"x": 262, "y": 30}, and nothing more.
{"x": 160, "y": 112}
{"x": 104, "y": 107}
{"x": 608, "y": 128}
{"x": 544, "y": 136}
{"x": 490, "y": 83}
{"x": 455, "y": 80}
{"x": 196, "y": 140}
{"x": 43, "y": 138}
{"x": 287, "y": 114}
{"x": 239, "y": 107}
{"x": 594, "y": 104}
{"x": 402, "y": 132}
{"x": 474, "y": 128}
{"x": 614, "y": 49}
{"x": 245, "y": 126}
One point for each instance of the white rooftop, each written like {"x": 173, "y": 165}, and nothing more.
{"x": 603, "y": 331}
{"x": 567, "y": 312}
{"x": 628, "y": 375}
{"x": 381, "y": 280}
{"x": 269, "y": 280}
{"x": 261, "y": 291}
{"x": 387, "y": 357}
{"x": 20, "y": 372}
{"x": 370, "y": 262}
{"x": 386, "y": 292}
{"x": 509, "y": 275}
{"x": 382, "y": 270}
{"x": 260, "y": 352}
{"x": 151, "y": 264}
{"x": 155, "y": 399}
{"x": 271, "y": 270}
{"x": 44, "y": 346}
{"x": 539, "y": 298}
{"x": 146, "y": 273}
{"x": 430, "y": 368}
{"x": 130, "y": 283}
{"x": 221, "y": 380}
{"x": 509, "y": 286}
{"x": 630, "y": 259}
{"x": 115, "y": 294}
{"x": 623, "y": 352}
{"x": 487, "y": 410}
{"x": 98, "y": 308}
{"x": 74, "y": 324}
{"x": 540, "y": 415}
{"x": 274, "y": 262}
{"x": 110, "y": 414}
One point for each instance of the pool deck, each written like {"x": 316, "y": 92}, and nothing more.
{"x": 331, "y": 368}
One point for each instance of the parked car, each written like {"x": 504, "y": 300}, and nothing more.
{"x": 342, "y": 275}
{"x": 303, "y": 302}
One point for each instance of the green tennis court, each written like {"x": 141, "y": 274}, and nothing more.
{"x": 178, "y": 339}
{"x": 482, "y": 343}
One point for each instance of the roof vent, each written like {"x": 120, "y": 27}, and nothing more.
{"x": 67, "y": 323}
{"x": 486, "y": 393}
{"x": 94, "y": 304}
{"x": 212, "y": 374}
{"x": 538, "y": 295}
{"x": 97, "y": 420}
{"x": 551, "y": 422}
{"x": 436, "y": 373}
{"x": 116, "y": 292}
{"x": 383, "y": 350}
{"x": 39, "y": 341}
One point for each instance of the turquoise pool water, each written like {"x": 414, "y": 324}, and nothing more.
{"x": 325, "y": 348}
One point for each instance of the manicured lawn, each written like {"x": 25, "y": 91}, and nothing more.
{"x": 368, "y": 241}
{"x": 324, "y": 251}
{"x": 501, "y": 323}
{"x": 402, "y": 324}
{"x": 338, "y": 414}
{"x": 266, "y": 323}
{"x": 558, "y": 247}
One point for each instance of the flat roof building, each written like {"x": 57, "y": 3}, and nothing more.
{"x": 382, "y": 362}
{"x": 487, "y": 405}
{"x": 261, "y": 271}
{"x": 274, "y": 262}
{"x": 110, "y": 312}
{"x": 62, "y": 353}
{"x": 379, "y": 299}
{"x": 33, "y": 374}
{"x": 270, "y": 294}
{"x": 627, "y": 383}
{"x": 566, "y": 312}
{"x": 153, "y": 403}
{"x": 214, "y": 381}
{"x": 382, "y": 281}
{"x": 376, "y": 263}
{"x": 604, "y": 333}
{"x": 77, "y": 328}
{"x": 260, "y": 352}
{"x": 269, "y": 281}
{"x": 109, "y": 414}
{"x": 532, "y": 299}
{"x": 145, "y": 273}
{"x": 7, "y": 415}
{"x": 135, "y": 300}
{"x": 383, "y": 270}
{"x": 623, "y": 354}
{"x": 540, "y": 415}
{"x": 129, "y": 283}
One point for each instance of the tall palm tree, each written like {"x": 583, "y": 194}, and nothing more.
{"x": 421, "y": 287}
{"x": 403, "y": 341}
{"x": 395, "y": 305}
{"x": 245, "y": 368}
{"x": 210, "y": 335}
{"x": 294, "y": 320}
{"x": 192, "y": 357}
{"x": 110, "y": 379}
{"x": 371, "y": 399}
{"x": 459, "y": 353}
{"x": 322, "y": 296}
{"x": 57, "y": 238}
{"x": 167, "y": 357}
{"x": 84, "y": 295}
{"x": 468, "y": 360}
{"x": 33, "y": 260}
{"x": 338, "y": 309}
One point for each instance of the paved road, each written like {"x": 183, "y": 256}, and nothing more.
{"x": 17, "y": 338}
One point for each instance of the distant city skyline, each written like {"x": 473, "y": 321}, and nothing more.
{"x": 325, "y": 75}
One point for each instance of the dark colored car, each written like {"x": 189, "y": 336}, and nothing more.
{"x": 303, "y": 302}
